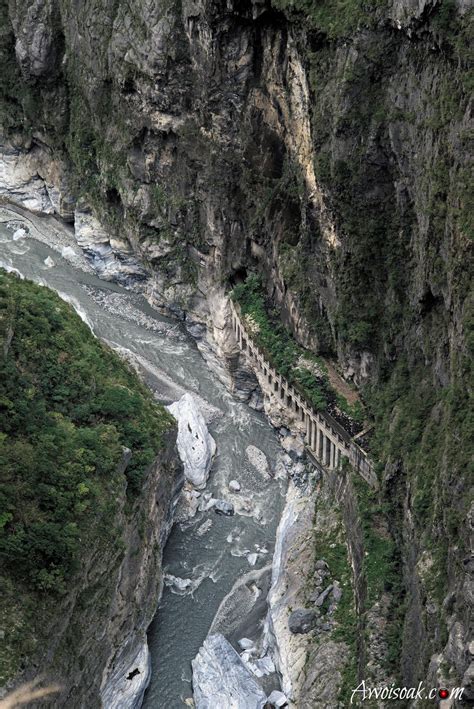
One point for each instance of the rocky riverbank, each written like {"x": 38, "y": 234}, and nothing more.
{"x": 97, "y": 650}
{"x": 294, "y": 626}
{"x": 325, "y": 148}
{"x": 90, "y": 506}
{"x": 139, "y": 585}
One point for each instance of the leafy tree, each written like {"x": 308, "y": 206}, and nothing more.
{"x": 68, "y": 407}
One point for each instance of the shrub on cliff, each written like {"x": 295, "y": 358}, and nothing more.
{"x": 68, "y": 406}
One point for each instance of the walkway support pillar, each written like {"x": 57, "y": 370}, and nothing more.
{"x": 321, "y": 446}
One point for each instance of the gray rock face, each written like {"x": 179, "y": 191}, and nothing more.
{"x": 112, "y": 259}
{"x": 196, "y": 446}
{"x": 126, "y": 686}
{"x": 222, "y": 507}
{"x": 32, "y": 178}
{"x": 293, "y": 446}
{"x": 322, "y": 596}
{"x": 35, "y": 48}
{"x": 302, "y": 620}
{"x": 168, "y": 121}
{"x": 220, "y": 678}
{"x": 468, "y": 683}
{"x": 277, "y": 699}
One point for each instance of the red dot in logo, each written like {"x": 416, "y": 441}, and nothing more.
{"x": 443, "y": 693}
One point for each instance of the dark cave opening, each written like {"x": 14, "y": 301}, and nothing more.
{"x": 239, "y": 275}
{"x": 429, "y": 302}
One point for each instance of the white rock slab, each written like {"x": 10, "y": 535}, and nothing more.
{"x": 20, "y": 182}
{"x": 196, "y": 446}
{"x": 220, "y": 678}
{"x": 258, "y": 459}
{"x": 124, "y": 689}
{"x": 278, "y": 699}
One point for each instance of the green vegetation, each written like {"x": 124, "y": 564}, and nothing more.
{"x": 330, "y": 544}
{"x": 284, "y": 353}
{"x": 429, "y": 432}
{"x": 380, "y": 560}
{"x": 381, "y": 565}
{"x": 68, "y": 407}
{"x": 455, "y": 33}
{"x": 336, "y": 18}
{"x": 300, "y": 266}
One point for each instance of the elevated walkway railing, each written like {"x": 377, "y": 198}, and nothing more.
{"x": 325, "y": 438}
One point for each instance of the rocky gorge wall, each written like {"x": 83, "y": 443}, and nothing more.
{"x": 96, "y": 637}
{"x": 93, "y": 643}
{"x": 117, "y": 600}
{"x": 88, "y": 494}
{"x": 324, "y": 146}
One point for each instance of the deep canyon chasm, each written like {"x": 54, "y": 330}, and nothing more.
{"x": 326, "y": 148}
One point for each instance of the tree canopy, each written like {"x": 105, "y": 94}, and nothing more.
{"x": 68, "y": 407}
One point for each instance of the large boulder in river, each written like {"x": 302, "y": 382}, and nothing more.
{"x": 196, "y": 446}
{"x": 220, "y": 678}
{"x": 222, "y": 507}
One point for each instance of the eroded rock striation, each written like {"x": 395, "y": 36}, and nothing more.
{"x": 220, "y": 678}
{"x": 89, "y": 516}
{"x": 196, "y": 446}
{"x": 325, "y": 149}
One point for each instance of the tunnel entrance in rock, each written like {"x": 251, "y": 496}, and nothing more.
{"x": 429, "y": 302}
{"x": 113, "y": 197}
{"x": 239, "y": 275}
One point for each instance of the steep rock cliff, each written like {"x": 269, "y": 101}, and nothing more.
{"x": 86, "y": 505}
{"x": 324, "y": 145}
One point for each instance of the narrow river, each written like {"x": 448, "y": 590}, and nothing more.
{"x": 211, "y": 551}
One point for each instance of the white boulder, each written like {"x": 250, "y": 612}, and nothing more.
{"x": 222, "y": 507}
{"x": 258, "y": 459}
{"x": 294, "y": 446}
{"x": 177, "y": 582}
{"x": 196, "y": 446}
{"x": 277, "y": 699}
{"x": 19, "y": 179}
{"x": 220, "y": 678}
